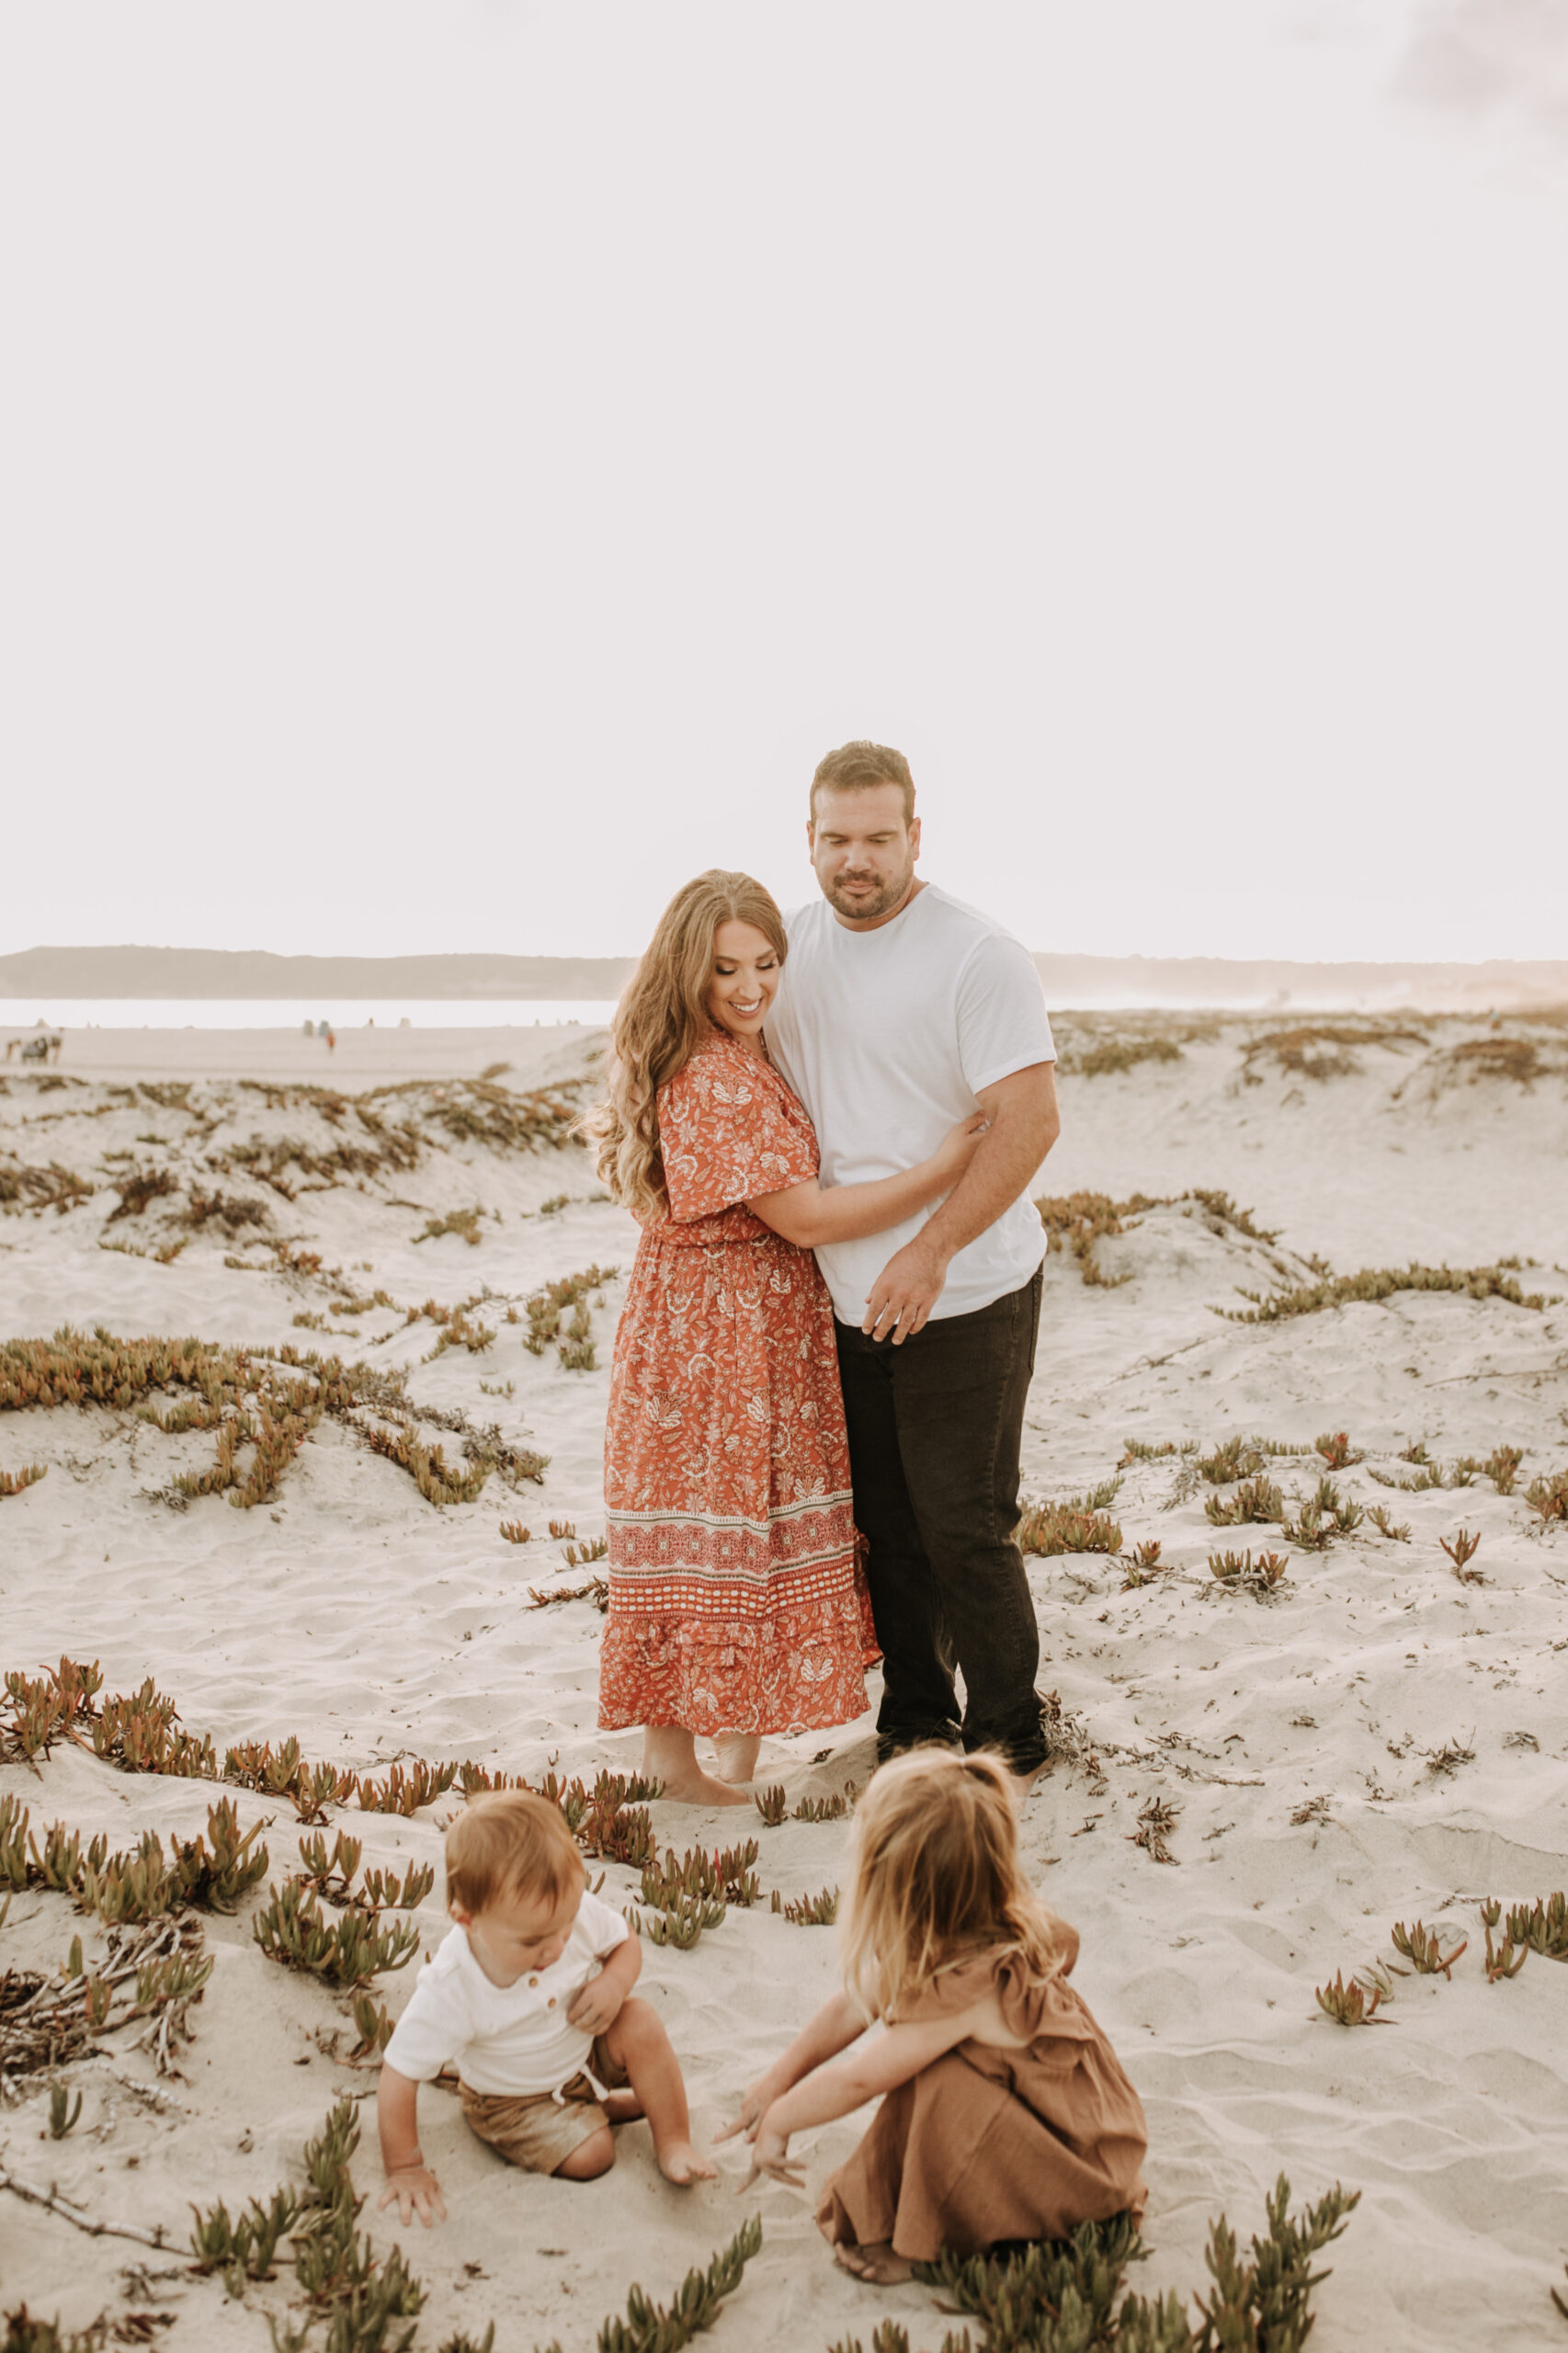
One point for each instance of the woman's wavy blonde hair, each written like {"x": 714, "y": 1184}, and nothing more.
{"x": 661, "y": 1021}
{"x": 936, "y": 1880}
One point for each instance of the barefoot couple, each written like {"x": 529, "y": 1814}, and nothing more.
{"x": 831, "y": 1321}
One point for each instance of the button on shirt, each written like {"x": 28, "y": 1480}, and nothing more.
{"x": 511, "y": 2040}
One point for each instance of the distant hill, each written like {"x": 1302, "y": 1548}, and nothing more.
{"x": 1081, "y": 981}
{"x": 1500, "y": 985}
{"x": 252, "y": 972}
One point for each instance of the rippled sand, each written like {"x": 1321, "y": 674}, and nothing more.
{"x": 1292, "y": 1738}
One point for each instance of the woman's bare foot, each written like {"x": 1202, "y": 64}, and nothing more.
{"x": 737, "y": 1752}
{"x": 669, "y": 1756}
{"x": 877, "y": 2263}
{"x": 679, "y": 2163}
{"x": 702, "y": 1789}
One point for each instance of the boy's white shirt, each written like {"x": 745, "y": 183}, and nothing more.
{"x": 510, "y": 2040}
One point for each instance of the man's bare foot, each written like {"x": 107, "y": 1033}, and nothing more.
{"x": 1024, "y": 1782}
{"x": 679, "y": 2163}
{"x": 736, "y": 1753}
{"x": 877, "y": 2263}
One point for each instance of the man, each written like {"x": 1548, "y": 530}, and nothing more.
{"x": 902, "y": 1010}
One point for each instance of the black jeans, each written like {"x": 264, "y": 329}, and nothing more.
{"x": 935, "y": 1426}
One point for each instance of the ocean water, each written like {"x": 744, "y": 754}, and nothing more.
{"x": 20, "y": 1015}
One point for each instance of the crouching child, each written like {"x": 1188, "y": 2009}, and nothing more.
{"x": 529, "y": 1999}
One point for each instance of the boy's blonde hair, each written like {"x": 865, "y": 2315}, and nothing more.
{"x": 937, "y": 1879}
{"x": 509, "y": 1842}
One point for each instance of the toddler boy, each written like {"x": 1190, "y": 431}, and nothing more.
{"x": 528, "y": 1997}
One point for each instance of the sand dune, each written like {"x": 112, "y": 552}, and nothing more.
{"x": 1377, "y": 1740}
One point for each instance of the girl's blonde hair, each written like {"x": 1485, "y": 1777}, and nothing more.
{"x": 936, "y": 1880}
{"x": 661, "y": 1021}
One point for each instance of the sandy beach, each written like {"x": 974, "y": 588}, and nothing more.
{"x": 1252, "y": 1789}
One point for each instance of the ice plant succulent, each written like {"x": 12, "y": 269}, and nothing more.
{"x": 1256, "y": 1499}
{"x": 809, "y": 1911}
{"x": 1463, "y": 1550}
{"x": 1260, "y": 1577}
{"x": 1356, "y": 2004}
{"x": 1423, "y": 1949}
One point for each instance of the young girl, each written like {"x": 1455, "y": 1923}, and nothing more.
{"x": 734, "y": 1607}
{"x": 1005, "y": 2113}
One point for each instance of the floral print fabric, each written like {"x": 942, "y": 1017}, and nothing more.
{"x": 734, "y": 1602}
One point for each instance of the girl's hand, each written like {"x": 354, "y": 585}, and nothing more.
{"x": 769, "y": 2155}
{"x": 955, "y": 1150}
{"x": 417, "y": 2191}
{"x": 754, "y": 2107}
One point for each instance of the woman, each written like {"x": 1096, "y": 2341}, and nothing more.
{"x": 734, "y": 1607}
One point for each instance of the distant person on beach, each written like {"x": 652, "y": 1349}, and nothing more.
{"x": 734, "y": 1607}
{"x": 530, "y": 1998}
{"x": 902, "y": 1011}
{"x": 1005, "y": 2111}
{"x": 44, "y": 1049}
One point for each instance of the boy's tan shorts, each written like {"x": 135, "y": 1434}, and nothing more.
{"x": 536, "y": 2131}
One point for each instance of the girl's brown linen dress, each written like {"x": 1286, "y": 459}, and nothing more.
{"x": 735, "y": 1601}
{"x": 988, "y": 2145}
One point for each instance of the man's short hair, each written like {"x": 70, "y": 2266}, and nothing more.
{"x": 855, "y": 766}
{"x": 507, "y": 1843}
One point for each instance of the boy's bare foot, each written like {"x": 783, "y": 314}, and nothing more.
{"x": 736, "y": 1753}
{"x": 679, "y": 2163}
{"x": 877, "y": 2263}
{"x": 622, "y": 2107}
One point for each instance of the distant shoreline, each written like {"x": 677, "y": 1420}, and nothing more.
{"x": 19, "y": 1016}
{"x": 58, "y": 975}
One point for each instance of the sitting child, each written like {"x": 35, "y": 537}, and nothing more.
{"x": 549, "y": 2051}
{"x": 1005, "y": 2114}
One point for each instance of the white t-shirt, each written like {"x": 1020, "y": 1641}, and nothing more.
{"x": 508, "y": 2039}
{"x": 887, "y": 1037}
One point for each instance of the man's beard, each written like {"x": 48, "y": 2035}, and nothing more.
{"x": 880, "y": 903}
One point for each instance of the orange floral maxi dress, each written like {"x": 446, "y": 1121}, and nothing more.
{"x": 735, "y": 1604}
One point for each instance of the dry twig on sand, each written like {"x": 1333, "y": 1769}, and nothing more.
{"x": 1157, "y": 1819}
{"x": 596, "y": 1590}
{"x": 70, "y": 2212}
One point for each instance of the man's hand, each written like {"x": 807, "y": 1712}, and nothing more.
{"x": 904, "y": 1294}
{"x": 1022, "y": 1123}
{"x": 417, "y": 2191}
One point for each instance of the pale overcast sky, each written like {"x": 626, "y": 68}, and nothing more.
{"x": 464, "y": 464}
